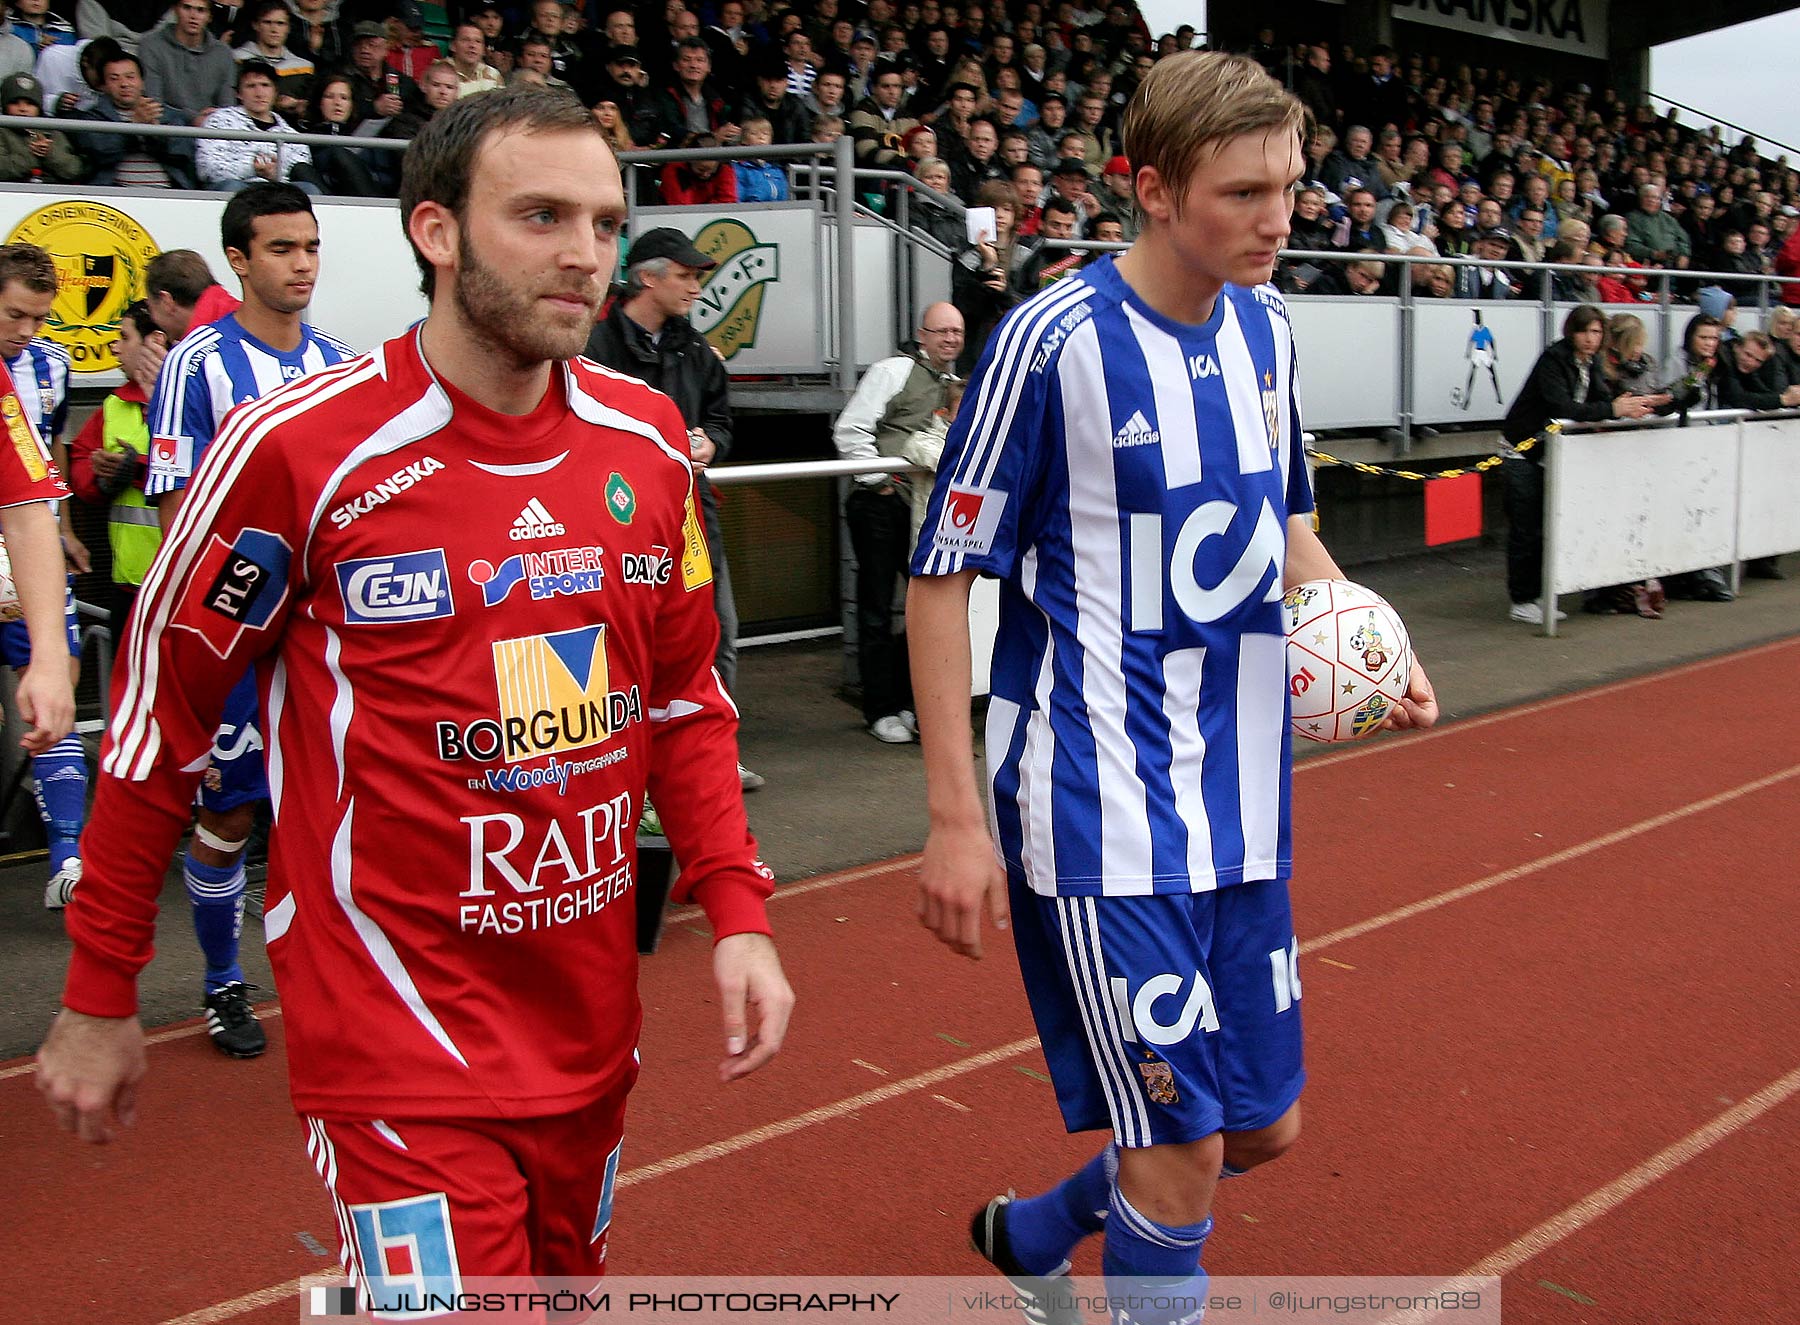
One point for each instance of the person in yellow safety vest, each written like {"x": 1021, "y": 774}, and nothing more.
{"x": 110, "y": 457}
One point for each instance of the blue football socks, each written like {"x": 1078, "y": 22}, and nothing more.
{"x": 60, "y": 778}
{"x": 217, "y": 892}
{"x": 1043, "y": 1230}
{"x": 1153, "y": 1269}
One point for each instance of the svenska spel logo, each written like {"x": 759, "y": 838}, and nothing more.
{"x": 970, "y": 518}
{"x": 100, "y": 255}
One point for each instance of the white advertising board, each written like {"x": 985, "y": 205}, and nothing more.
{"x": 1622, "y": 506}
{"x": 1768, "y": 514}
{"x": 1469, "y": 360}
{"x": 760, "y": 307}
{"x": 1349, "y": 360}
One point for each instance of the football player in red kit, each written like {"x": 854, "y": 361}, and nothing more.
{"x": 29, "y": 483}
{"x": 469, "y": 571}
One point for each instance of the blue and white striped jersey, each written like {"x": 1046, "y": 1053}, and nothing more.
{"x": 214, "y": 370}
{"x": 1128, "y": 479}
{"x": 40, "y": 371}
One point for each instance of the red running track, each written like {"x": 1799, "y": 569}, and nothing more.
{"x": 1554, "y": 1034}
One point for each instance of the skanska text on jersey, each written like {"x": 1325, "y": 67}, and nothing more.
{"x": 386, "y": 490}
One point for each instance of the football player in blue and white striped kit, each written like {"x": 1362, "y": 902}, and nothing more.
{"x": 40, "y": 373}
{"x": 1128, "y": 464}
{"x": 271, "y": 239}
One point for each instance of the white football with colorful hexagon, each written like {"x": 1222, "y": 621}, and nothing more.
{"x": 1349, "y": 659}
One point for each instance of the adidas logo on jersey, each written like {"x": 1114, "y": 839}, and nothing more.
{"x": 535, "y": 521}
{"x": 1136, "y": 432}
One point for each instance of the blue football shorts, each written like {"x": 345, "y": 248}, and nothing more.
{"x": 15, "y": 640}
{"x": 236, "y": 775}
{"x": 1165, "y": 1018}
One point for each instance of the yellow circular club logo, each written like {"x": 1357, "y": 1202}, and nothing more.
{"x": 100, "y": 256}
{"x": 731, "y": 302}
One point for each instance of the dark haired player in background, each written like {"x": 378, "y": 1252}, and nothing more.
{"x": 271, "y": 240}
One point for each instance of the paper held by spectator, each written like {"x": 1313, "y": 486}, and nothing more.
{"x": 984, "y": 225}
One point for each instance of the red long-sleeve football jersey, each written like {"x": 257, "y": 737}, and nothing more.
{"x": 26, "y": 474}
{"x": 476, "y": 636}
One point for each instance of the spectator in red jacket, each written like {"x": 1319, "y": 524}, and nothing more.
{"x": 1787, "y": 263}
{"x": 689, "y": 183}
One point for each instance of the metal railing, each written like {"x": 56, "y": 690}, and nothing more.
{"x": 1719, "y": 122}
{"x": 280, "y": 140}
{"x": 1545, "y": 296}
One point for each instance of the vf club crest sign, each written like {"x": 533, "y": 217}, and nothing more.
{"x": 730, "y": 307}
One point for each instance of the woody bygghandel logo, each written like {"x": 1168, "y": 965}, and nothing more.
{"x": 100, "y": 255}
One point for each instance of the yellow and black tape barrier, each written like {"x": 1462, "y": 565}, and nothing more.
{"x": 1479, "y": 467}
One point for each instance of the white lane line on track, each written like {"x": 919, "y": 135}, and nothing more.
{"x": 825, "y": 1113}
{"x": 813, "y": 885}
{"x": 1635, "y": 1180}
{"x": 274, "y": 1296}
{"x": 1363, "y": 751}
{"x": 157, "y": 1037}
{"x": 1592, "y": 1207}
{"x": 1552, "y": 860}
{"x": 1606, "y": 1198}
{"x": 908, "y": 1085}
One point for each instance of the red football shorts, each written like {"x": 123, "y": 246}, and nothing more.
{"x": 430, "y": 1203}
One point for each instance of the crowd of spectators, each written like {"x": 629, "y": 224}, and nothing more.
{"x": 1025, "y": 95}
{"x": 1010, "y": 108}
{"x": 1411, "y": 154}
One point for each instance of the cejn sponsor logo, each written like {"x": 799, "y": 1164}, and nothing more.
{"x": 552, "y": 573}
{"x": 386, "y": 490}
{"x": 535, "y": 521}
{"x": 410, "y": 586}
{"x": 572, "y": 867}
{"x": 553, "y": 699}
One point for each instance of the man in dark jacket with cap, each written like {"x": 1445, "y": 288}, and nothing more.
{"x": 646, "y": 334}
{"x": 377, "y": 90}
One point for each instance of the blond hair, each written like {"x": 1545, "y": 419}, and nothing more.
{"x": 1626, "y": 334}
{"x": 1194, "y": 102}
